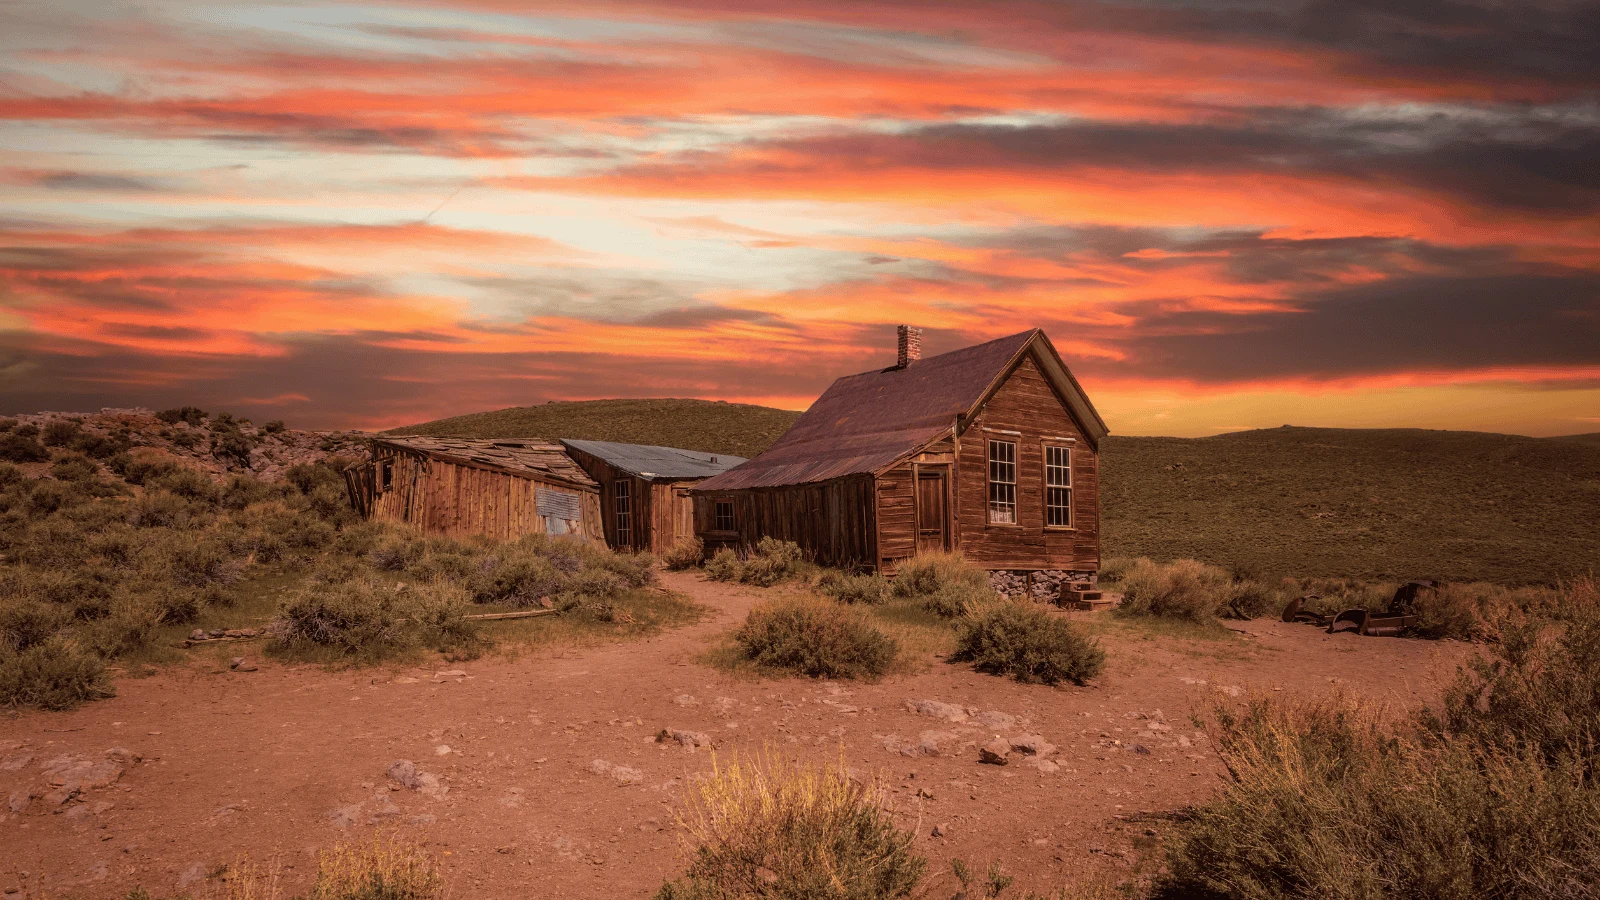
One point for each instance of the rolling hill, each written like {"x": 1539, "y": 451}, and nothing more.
{"x": 1382, "y": 503}
{"x": 709, "y": 425}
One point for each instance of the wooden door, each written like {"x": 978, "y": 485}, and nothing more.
{"x": 932, "y": 515}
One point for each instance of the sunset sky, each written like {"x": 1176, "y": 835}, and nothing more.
{"x": 1226, "y": 215}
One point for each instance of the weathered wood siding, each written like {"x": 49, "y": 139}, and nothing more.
{"x": 1027, "y": 404}
{"x": 671, "y": 514}
{"x": 897, "y": 504}
{"x": 459, "y": 500}
{"x": 834, "y": 522}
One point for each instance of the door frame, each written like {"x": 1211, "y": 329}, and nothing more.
{"x": 943, "y": 472}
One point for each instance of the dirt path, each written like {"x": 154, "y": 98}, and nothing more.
{"x": 287, "y": 759}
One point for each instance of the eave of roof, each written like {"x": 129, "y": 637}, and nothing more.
{"x": 655, "y": 463}
{"x": 530, "y": 458}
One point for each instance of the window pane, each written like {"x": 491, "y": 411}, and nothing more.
{"x": 723, "y": 520}
{"x": 624, "y": 514}
{"x": 1003, "y": 482}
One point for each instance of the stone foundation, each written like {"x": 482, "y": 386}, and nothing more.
{"x": 1044, "y": 585}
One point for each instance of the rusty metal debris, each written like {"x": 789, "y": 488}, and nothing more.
{"x": 1400, "y": 615}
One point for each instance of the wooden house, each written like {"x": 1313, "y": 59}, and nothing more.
{"x": 504, "y": 489}
{"x": 644, "y": 490}
{"x": 990, "y": 450}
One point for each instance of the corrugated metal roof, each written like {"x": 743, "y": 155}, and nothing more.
{"x": 531, "y": 456}
{"x": 865, "y": 422}
{"x": 657, "y": 463}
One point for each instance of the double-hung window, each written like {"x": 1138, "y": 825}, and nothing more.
{"x": 722, "y": 520}
{"x": 624, "y": 502}
{"x": 1002, "y": 482}
{"x": 1057, "y": 486}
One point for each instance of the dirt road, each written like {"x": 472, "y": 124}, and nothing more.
{"x": 547, "y": 780}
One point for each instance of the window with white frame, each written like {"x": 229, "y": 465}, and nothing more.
{"x": 1058, "y": 486}
{"x": 624, "y": 502}
{"x": 1003, "y": 482}
{"x": 723, "y": 519}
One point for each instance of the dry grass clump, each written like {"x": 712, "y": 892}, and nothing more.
{"x": 368, "y": 619}
{"x": 771, "y": 562}
{"x": 944, "y": 584}
{"x": 815, "y": 638}
{"x": 1030, "y": 645}
{"x": 389, "y": 869}
{"x": 870, "y": 589}
{"x": 769, "y": 827}
{"x": 1191, "y": 591}
{"x": 685, "y": 554}
{"x": 1494, "y": 795}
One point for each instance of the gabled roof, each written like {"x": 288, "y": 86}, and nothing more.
{"x": 864, "y": 423}
{"x": 656, "y": 463}
{"x": 525, "y": 457}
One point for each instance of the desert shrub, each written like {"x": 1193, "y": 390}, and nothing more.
{"x": 19, "y": 448}
{"x": 770, "y": 562}
{"x": 816, "y": 639}
{"x": 1252, "y": 599}
{"x": 1185, "y": 589}
{"x": 52, "y": 674}
{"x": 724, "y": 565}
{"x": 773, "y": 828}
{"x": 1539, "y": 687}
{"x": 274, "y": 426}
{"x": 185, "y": 439}
{"x": 520, "y": 580}
{"x": 242, "y": 491}
{"x": 192, "y": 415}
{"x": 74, "y": 467}
{"x": 60, "y": 433}
{"x": 847, "y": 588}
{"x": 1114, "y": 568}
{"x": 186, "y": 483}
{"x": 386, "y": 869}
{"x": 944, "y": 584}
{"x": 7, "y": 424}
{"x": 138, "y": 471}
{"x": 100, "y": 446}
{"x": 1323, "y": 801}
{"x": 685, "y": 554}
{"x": 10, "y": 475}
{"x": 1030, "y": 645}
{"x": 161, "y": 509}
{"x": 369, "y": 619}
{"x": 49, "y": 496}
{"x": 231, "y": 445}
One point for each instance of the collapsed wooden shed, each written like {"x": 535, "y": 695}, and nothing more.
{"x": 990, "y": 450}
{"x": 454, "y": 486}
{"x": 644, "y": 490}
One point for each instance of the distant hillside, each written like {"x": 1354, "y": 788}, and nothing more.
{"x": 1591, "y": 438}
{"x": 712, "y": 426}
{"x": 1380, "y": 503}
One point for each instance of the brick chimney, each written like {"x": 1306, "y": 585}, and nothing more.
{"x": 910, "y": 345}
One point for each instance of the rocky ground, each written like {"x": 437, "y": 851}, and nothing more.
{"x": 271, "y": 452}
{"x": 560, "y": 773}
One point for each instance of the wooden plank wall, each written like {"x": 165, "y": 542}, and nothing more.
{"x": 1026, "y": 403}
{"x": 457, "y": 500}
{"x": 833, "y": 521}
{"x": 607, "y": 476}
{"x": 897, "y": 504}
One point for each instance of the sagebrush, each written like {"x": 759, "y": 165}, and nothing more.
{"x": 1029, "y": 644}
{"x": 815, "y": 638}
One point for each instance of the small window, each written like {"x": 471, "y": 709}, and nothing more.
{"x": 1002, "y": 482}
{"x": 723, "y": 521}
{"x": 624, "y": 526}
{"x": 385, "y": 475}
{"x": 1058, "y": 487}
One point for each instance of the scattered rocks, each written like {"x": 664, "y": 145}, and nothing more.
{"x": 622, "y": 775}
{"x": 240, "y": 664}
{"x": 995, "y": 752}
{"x": 405, "y": 773}
{"x": 939, "y": 710}
{"x": 1032, "y": 745}
{"x": 194, "y": 872}
{"x": 685, "y": 700}
{"x": 940, "y": 830}
{"x": 338, "y": 817}
{"x": 689, "y": 740}
{"x": 1045, "y": 766}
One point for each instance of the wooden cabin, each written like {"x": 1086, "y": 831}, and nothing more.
{"x": 990, "y": 450}
{"x": 453, "y": 486}
{"x": 644, "y": 490}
